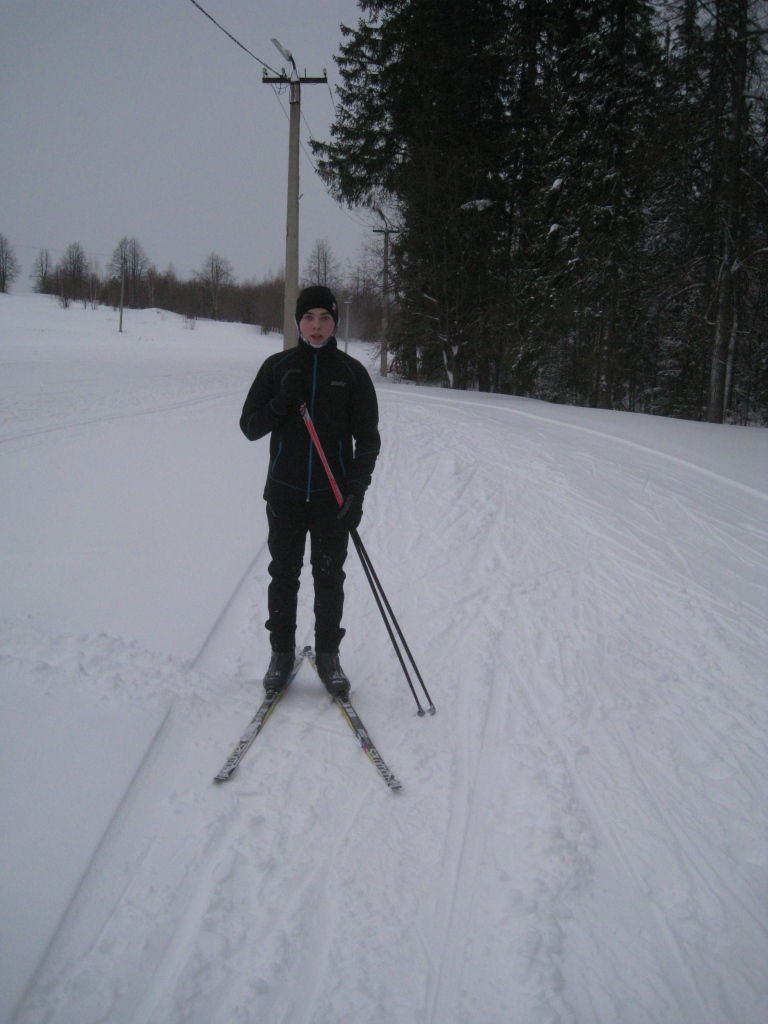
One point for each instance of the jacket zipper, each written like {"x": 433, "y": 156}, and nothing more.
{"x": 312, "y": 414}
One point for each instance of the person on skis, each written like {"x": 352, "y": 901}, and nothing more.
{"x": 341, "y": 400}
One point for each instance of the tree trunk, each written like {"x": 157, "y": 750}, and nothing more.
{"x": 603, "y": 398}
{"x": 716, "y": 406}
{"x": 732, "y": 15}
{"x": 731, "y": 357}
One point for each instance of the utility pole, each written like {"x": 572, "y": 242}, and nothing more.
{"x": 386, "y": 231}
{"x": 294, "y": 82}
{"x": 122, "y": 290}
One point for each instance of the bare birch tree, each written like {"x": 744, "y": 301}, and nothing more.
{"x": 10, "y": 268}
{"x": 216, "y": 274}
{"x": 322, "y": 266}
{"x": 42, "y": 272}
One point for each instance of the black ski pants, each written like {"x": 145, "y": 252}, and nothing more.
{"x": 288, "y": 529}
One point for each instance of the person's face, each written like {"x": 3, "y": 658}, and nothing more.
{"x": 316, "y": 326}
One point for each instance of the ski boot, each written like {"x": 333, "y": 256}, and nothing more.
{"x": 332, "y": 674}
{"x": 279, "y": 671}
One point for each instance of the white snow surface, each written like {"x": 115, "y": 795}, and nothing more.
{"x": 581, "y": 833}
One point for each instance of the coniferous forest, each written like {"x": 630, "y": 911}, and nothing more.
{"x": 577, "y": 191}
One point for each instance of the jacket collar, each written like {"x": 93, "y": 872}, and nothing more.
{"x": 329, "y": 346}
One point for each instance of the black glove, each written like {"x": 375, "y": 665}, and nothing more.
{"x": 289, "y": 396}
{"x": 351, "y": 512}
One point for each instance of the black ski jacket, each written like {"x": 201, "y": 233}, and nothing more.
{"x": 342, "y": 402}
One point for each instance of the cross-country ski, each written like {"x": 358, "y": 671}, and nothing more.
{"x": 268, "y": 705}
{"x": 357, "y": 727}
{"x": 271, "y": 699}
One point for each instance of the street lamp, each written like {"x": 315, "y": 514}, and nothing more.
{"x": 287, "y": 55}
{"x": 346, "y": 324}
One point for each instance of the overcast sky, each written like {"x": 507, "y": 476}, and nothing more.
{"x": 141, "y": 118}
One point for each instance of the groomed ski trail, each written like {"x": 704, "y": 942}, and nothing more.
{"x": 546, "y": 618}
{"x": 607, "y": 589}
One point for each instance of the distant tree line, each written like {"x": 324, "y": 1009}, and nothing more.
{"x": 581, "y": 192}
{"x": 211, "y": 293}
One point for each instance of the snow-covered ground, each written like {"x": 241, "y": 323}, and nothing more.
{"x": 581, "y": 834}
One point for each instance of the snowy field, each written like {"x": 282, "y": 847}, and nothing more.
{"x": 581, "y": 834}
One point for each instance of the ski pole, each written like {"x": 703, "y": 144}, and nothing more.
{"x": 366, "y": 570}
{"x": 368, "y": 566}
{"x": 370, "y": 575}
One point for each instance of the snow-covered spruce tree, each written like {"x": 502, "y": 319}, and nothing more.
{"x": 420, "y": 130}
{"x": 602, "y": 97}
{"x": 581, "y": 192}
{"x": 676, "y": 227}
{"x": 737, "y": 63}
{"x": 707, "y": 225}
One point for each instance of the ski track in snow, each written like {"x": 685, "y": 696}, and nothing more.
{"x": 38, "y": 435}
{"x": 598, "y": 744}
{"x": 688, "y": 994}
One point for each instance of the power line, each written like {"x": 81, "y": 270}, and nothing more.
{"x": 229, "y": 34}
{"x": 313, "y": 165}
{"x": 47, "y": 248}
{"x": 277, "y": 96}
{"x": 288, "y": 118}
{"x": 264, "y": 65}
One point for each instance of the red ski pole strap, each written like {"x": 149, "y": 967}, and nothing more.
{"x": 319, "y": 448}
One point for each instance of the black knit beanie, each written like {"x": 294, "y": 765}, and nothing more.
{"x": 317, "y": 297}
